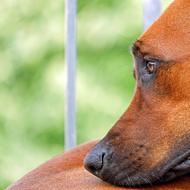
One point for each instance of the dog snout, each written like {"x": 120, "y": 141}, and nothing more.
{"x": 94, "y": 160}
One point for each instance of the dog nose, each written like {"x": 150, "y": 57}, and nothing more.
{"x": 94, "y": 160}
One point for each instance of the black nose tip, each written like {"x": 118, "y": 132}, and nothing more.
{"x": 94, "y": 161}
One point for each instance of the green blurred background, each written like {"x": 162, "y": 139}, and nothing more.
{"x": 32, "y": 76}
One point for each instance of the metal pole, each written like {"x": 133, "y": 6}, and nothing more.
{"x": 152, "y": 10}
{"x": 70, "y": 62}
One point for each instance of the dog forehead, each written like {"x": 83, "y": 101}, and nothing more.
{"x": 169, "y": 36}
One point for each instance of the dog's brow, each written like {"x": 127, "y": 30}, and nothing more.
{"x": 133, "y": 48}
{"x": 136, "y": 50}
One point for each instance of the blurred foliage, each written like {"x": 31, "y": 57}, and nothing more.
{"x": 32, "y": 76}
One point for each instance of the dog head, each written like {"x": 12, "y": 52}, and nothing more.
{"x": 150, "y": 142}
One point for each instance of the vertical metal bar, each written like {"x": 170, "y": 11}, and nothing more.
{"x": 152, "y": 10}
{"x": 70, "y": 63}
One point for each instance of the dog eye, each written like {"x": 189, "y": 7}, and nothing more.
{"x": 150, "y": 66}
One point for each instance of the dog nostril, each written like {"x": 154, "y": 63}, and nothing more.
{"x": 103, "y": 158}
{"x": 94, "y": 162}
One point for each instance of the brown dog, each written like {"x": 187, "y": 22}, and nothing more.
{"x": 150, "y": 142}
